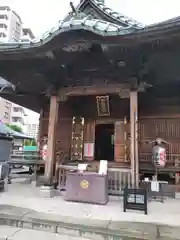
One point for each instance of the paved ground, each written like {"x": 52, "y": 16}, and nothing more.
{"x": 86, "y": 220}
{"x": 12, "y": 233}
{"x": 27, "y": 196}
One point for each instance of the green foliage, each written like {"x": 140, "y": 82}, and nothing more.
{"x": 15, "y": 128}
{"x": 28, "y": 142}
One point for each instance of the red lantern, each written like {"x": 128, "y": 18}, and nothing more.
{"x": 44, "y": 152}
{"x": 159, "y": 155}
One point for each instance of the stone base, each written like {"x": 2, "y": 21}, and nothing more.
{"x": 5, "y": 185}
{"x": 47, "y": 192}
{"x": 41, "y": 181}
{"x": 2, "y": 187}
{"x": 34, "y": 183}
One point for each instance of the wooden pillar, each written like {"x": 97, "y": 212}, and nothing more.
{"x": 134, "y": 137}
{"x": 53, "y": 116}
{"x": 40, "y": 129}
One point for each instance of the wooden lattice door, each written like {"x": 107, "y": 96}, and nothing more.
{"x": 121, "y": 142}
{"x": 77, "y": 138}
{"x": 89, "y": 136}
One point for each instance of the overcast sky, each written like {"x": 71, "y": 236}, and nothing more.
{"x": 41, "y": 15}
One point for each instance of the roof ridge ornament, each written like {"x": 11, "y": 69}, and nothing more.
{"x": 77, "y": 14}
{"x": 74, "y": 11}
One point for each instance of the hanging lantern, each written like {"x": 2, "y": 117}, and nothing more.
{"x": 159, "y": 155}
{"x": 44, "y": 152}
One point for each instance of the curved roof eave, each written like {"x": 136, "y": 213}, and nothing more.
{"x": 98, "y": 27}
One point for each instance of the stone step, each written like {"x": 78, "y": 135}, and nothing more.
{"x": 84, "y": 228}
{"x": 13, "y": 233}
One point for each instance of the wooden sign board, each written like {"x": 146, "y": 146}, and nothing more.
{"x": 89, "y": 150}
{"x": 103, "y": 167}
{"x": 135, "y": 199}
{"x": 103, "y": 108}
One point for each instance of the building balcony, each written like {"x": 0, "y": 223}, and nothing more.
{"x": 3, "y": 20}
{"x": 15, "y": 120}
{"x": 19, "y": 114}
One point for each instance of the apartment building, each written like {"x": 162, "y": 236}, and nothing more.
{"x": 17, "y": 117}
{"x": 11, "y": 30}
{"x": 5, "y": 111}
{"x": 10, "y": 25}
{"x": 5, "y": 105}
{"x": 27, "y": 35}
{"x": 32, "y": 124}
{"x": 32, "y": 129}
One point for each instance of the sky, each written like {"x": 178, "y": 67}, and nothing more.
{"x": 41, "y": 15}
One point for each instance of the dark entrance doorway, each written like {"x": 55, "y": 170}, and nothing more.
{"x": 104, "y": 142}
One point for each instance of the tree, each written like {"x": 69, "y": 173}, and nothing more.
{"x": 29, "y": 142}
{"x": 15, "y": 128}
{"x": 33, "y": 142}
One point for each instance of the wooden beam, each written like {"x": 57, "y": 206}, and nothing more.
{"x": 94, "y": 90}
{"x": 53, "y": 116}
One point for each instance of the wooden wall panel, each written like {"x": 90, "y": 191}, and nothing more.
{"x": 64, "y": 126}
{"x": 122, "y": 150}
{"x": 168, "y": 129}
{"x": 158, "y": 117}
{"x": 87, "y": 107}
{"x": 89, "y": 131}
{"x": 63, "y": 137}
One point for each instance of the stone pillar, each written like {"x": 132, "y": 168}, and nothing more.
{"x": 134, "y": 137}
{"x": 53, "y": 116}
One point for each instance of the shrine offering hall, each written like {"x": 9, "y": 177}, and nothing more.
{"x": 105, "y": 85}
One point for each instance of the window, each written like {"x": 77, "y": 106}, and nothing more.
{"x": 7, "y": 103}
{"x": 18, "y": 25}
{"x": 3, "y": 8}
{"x": 3, "y": 26}
{"x": 6, "y": 115}
{"x": 3, "y": 35}
{"x": 16, "y": 109}
{"x": 4, "y": 17}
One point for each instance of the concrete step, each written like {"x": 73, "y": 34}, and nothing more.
{"x": 13, "y": 233}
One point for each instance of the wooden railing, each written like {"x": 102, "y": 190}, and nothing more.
{"x": 60, "y": 174}
{"x": 117, "y": 179}
{"x": 32, "y": 159}
{"x": 25, "y": 155}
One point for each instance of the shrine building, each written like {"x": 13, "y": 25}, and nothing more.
{"x": 104, "y": 84}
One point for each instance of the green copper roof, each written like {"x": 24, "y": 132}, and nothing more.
{"x": 81, "y": 21}
{"x": 120, "y": 18}
{"x": 99, "y": 27}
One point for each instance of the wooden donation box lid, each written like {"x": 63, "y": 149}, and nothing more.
{"x": 87, "y": 187}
